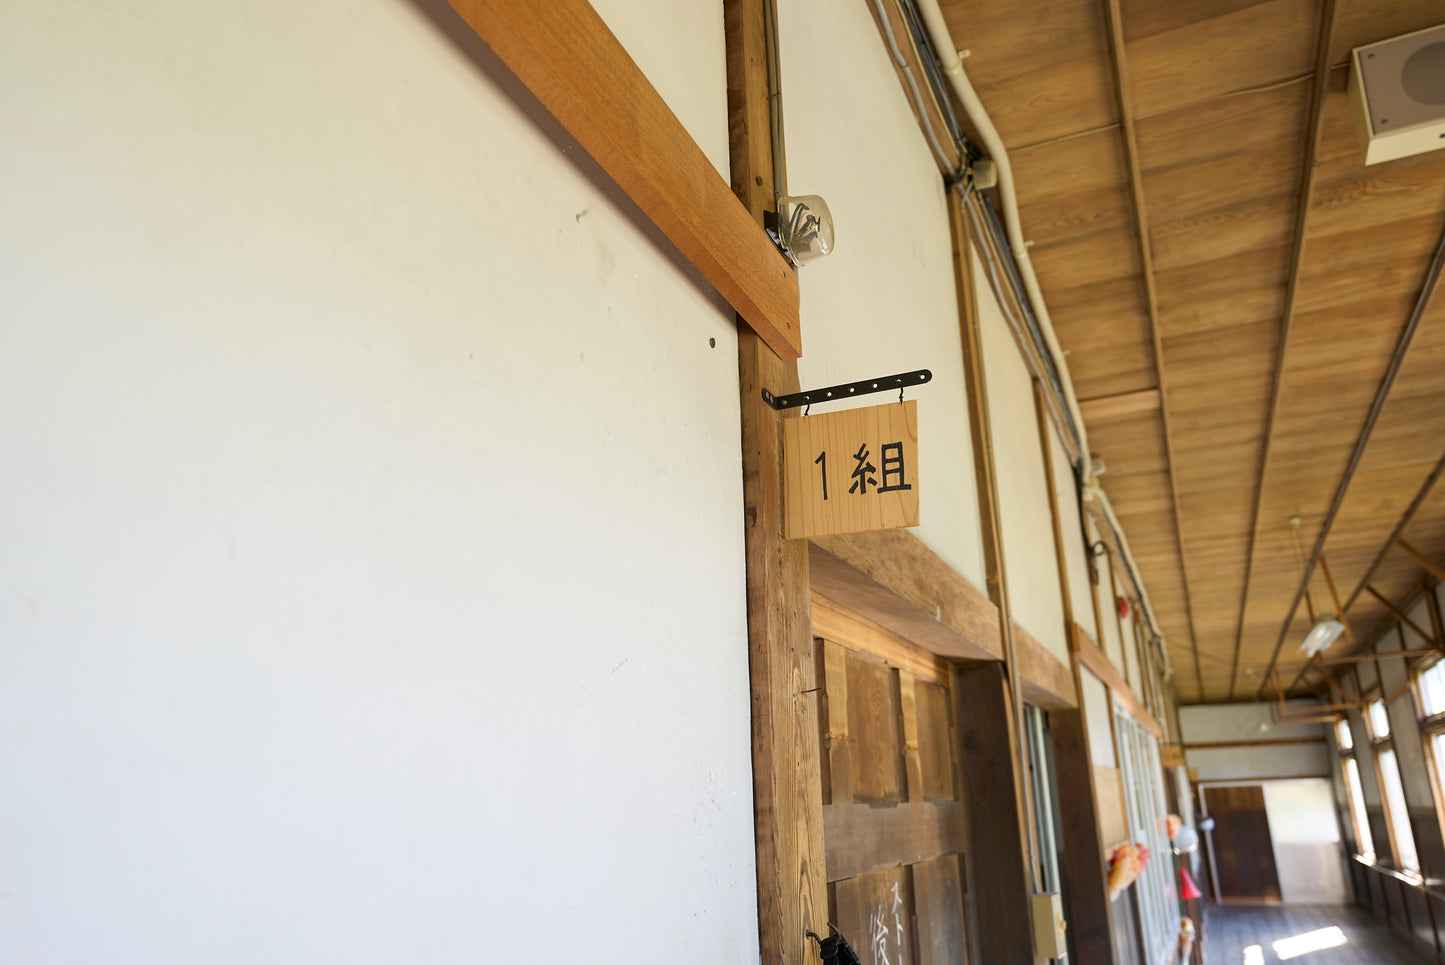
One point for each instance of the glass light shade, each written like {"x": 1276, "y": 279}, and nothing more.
{"x": 1324, "y": 633}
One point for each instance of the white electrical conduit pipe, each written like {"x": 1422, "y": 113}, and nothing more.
{"x": 952, "y": 65}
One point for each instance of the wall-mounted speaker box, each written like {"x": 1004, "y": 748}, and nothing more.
{"x": 1397, "y": 95}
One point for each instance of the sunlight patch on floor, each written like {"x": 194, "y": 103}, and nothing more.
{"x": 1312, "y": 941}
{"x": 1253, "y": 955}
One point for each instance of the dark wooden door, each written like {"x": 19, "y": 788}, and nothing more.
{"x": 893, "y": 822}
{"x": 1243, "y": 850}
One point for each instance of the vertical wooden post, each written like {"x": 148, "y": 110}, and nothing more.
{"x": 787, "y": 777}
{"x": 1085, "y": 864}
{"x": 993, "y": 758}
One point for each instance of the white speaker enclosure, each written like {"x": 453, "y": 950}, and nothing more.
{"x": 1397, "y": 95}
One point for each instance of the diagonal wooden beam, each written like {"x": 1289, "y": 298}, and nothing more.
{"x": 565, "y": 55}
{"x": 1335, "y": 595}
{"x": 1318, "y": 93}
{"x": 1382, "y": 393}
{"x": 1125, "y": 100}
{"x": 1435, "y": 569}
{"x": 1400, "y": 614}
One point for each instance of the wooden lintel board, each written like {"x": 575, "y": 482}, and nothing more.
{"x": 851, "y": 471}
{"x": 1093, "y": 658}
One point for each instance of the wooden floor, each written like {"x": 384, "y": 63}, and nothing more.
{"x": 1247, "y": 935}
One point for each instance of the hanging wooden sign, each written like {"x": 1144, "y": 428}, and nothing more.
{"x": 851, "y": 471}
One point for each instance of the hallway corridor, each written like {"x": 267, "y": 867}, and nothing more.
{"x": 1302, "y": 934}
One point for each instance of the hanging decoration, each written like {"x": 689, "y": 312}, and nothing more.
{"x": 1126, "y": 863}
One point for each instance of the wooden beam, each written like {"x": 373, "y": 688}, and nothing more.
{"x": 1045, "y": 678}
{"x": 1119, "y": 58}
{"x": 1106, "y": 407}
{"x": 564, "y": 53}
{"x": 1367, "y": 657}
{"x": 893, "y": 579}
{"x": 1400, "y": 615}
{"x": 1409, "y": 514}
{"x": 784, "y": 678}
{"x": 1231, "y": 745}
{"x": 1435, "y": 569}
{"x": 1319, "y": 90}
{"x": 1382, "y": 394}
{"x": 1335, "y": 595}
{"x": 1001, "y": 881}
{"x": 1086, "y": 872}
{"x": 990, "y": 696}
{"x": 1098, "y": 663}
{"x": 862, "y": 838}
{"x": 840, "y": 624}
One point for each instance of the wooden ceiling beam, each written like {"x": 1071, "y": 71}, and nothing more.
{"x": 1400, "y": 614}
{"x": 1397, "y": 360}
{"x": 1318, "y": 93}
{"x": 1106, "y": 407}
{"x": 1118, "y": 56}
{"x": 1435, "y": 569}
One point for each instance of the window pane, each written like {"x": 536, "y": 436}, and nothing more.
{"x": 1401, "y": 836}
{"x": 1379, "y": 720}
{"x": 1343, "y": 737}
{"x": 1366, "y": 842}
{"x": 1432, "y": 689}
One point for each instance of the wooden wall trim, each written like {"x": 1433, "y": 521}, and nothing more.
{"x": 893, "y": 579}
{"x": 836, "y": 622}
{"x": 1046, "y": 680}
{"x": 783, "y": 676}
{"x": 862, "y": 838}
{"x": 1098, "y": 663}
{"x": 565, "y": 55}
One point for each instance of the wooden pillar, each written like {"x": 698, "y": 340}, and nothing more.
{"x": 999, "y": 879}
{"x": 993, "y": 763}
{"x": 787, "y": 779}
{"x": 1084, "y": 861}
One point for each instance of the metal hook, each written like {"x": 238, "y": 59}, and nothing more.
{"x": 806, "y": 406}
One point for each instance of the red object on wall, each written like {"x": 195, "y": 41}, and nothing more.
{"x": 1123, "y": 608}
{"x": 1188, "y": 890}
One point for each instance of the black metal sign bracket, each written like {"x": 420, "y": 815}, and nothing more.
{"x": 849, "y": 390}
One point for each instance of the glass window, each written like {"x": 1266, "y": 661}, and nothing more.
{"x": 1432, "y": 690}
{"x": 1364, "y": 841}
{"x": 1343, "y": 737}
{"x": 1144, "y": 802}
{"x": 1379, "y": 719}
{"x": 1401, "y": 837}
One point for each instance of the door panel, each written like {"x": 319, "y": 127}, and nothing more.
{"x": 1243, "y": 848}
{"x": 893, "y": 825}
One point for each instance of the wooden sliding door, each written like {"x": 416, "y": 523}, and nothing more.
{"x": 1243, "y": 849}
{"x": 893, "y": 822}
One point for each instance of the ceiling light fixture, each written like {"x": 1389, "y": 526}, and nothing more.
{"x": 1321, "y": 635}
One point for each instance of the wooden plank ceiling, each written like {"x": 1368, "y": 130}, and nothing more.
{"x": 1207, "y": 123}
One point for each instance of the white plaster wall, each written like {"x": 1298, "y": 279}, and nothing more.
{"x": 1023, "y": 489}
{"x": 1243, "y": 722}
{"x": 884, "y": 301}
{"x": 1099, "y": 714}
{"x": 1306, "y": 838}
{"x": 1109, "y": 631}
{"x": 1128, "y": 643}
{"x": 362, "y": 602}
{"x": 1075, "y": 552}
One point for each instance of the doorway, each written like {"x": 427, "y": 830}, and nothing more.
{"x": 1241, "y": 849}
